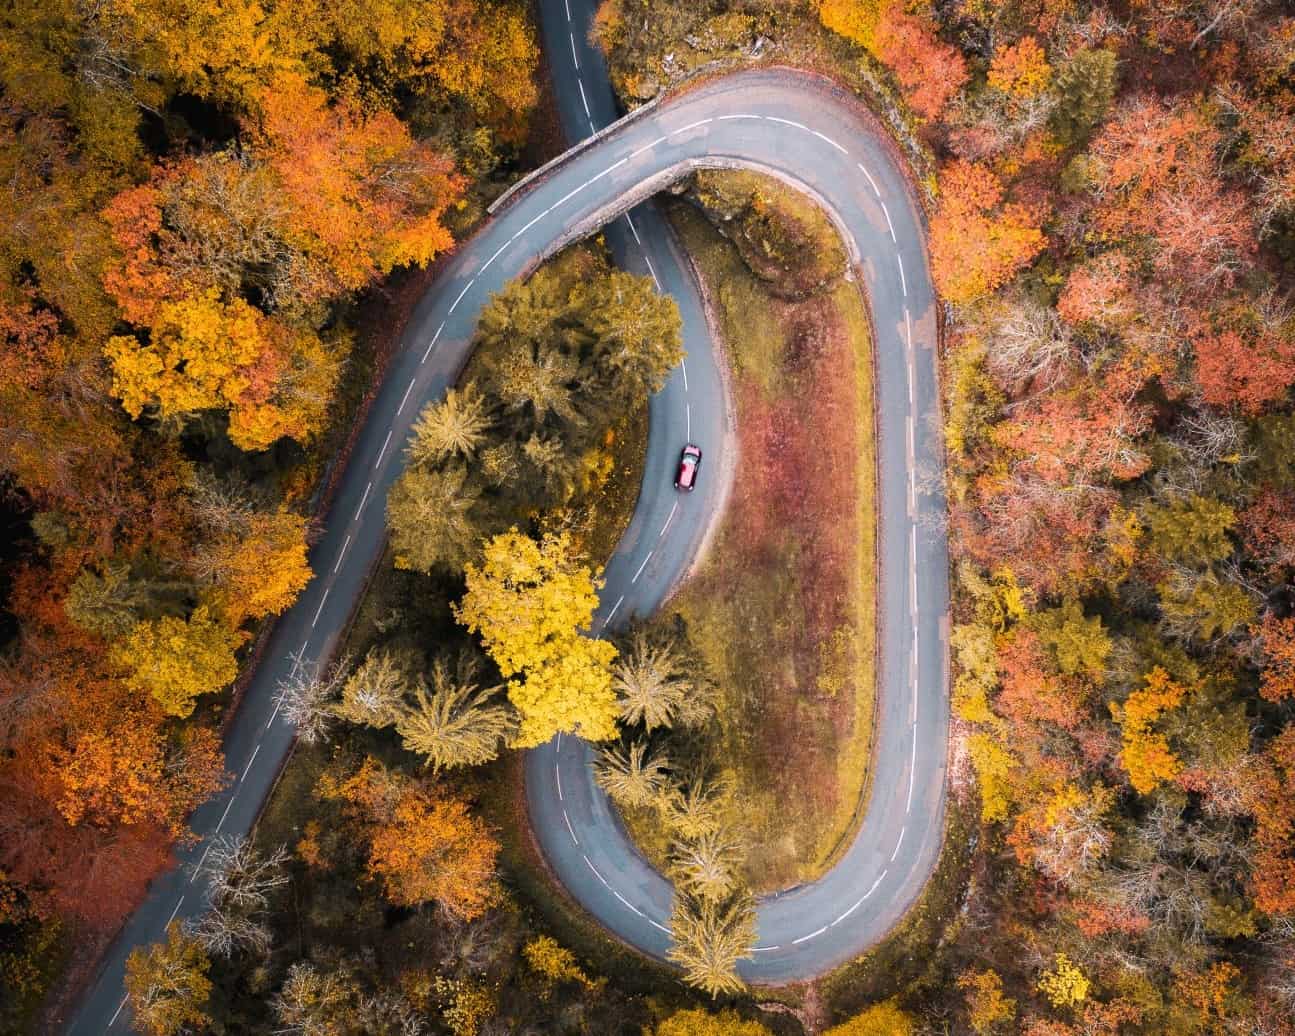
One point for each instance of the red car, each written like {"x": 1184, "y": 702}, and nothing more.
{"x": 689, "y": 462}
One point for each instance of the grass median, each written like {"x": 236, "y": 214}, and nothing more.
{"x": 784, "y": 606}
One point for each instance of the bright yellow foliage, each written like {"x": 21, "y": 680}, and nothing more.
{"x": 1065, "y": 985}
{"x": 175, "y": 661}
{"x": 987, "y": 1008}
{"x": 555, "y": 962}
{"x": 205, "y": 354}
{"x": 883, "y": 1019}
{"x": 703, "y": 1023}
{"x": 195, "y": 358}
{"x": 993, "y": 763}
{"x": 1146, "y": 754}
{"x": 260, "y": 571}
{"x": 1021, "y": 70}
{"x": 529, "y": 601}
{"x": 856, "y": 20}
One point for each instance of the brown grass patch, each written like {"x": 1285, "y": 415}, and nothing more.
{"x": 784, "y": 607}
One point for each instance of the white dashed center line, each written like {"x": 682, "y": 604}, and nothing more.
{"x": 574, "y": 58}
{"x": 898, "y": 844}
{"x": 864, "y": 169}
{"x": 643, "y": 566}
{"x": 383, "y": 452}
{"x": 363, "y": 501}
{"x": 889, "y": 225}
{"x": 342, "y": 553}
{"x": 250, "y": 762}
{"x": 903, "y": 283}
{"x": 228, "y": 807}
{"x": 687, "y": 409}
{"x": 405, "y": 398}
{"x": 432, "y": 343}
{"x": 113, "y": 1020}
{"x": 830, "y": 141}
{"x": 570, "y": 830}
{"x": 320, "y": 608}
{"x": 557, "y": 779}
{"x": 811, "y": 935}
{"x": 683, "y": 366}
{"x": 583, "y": 99}
{"x": 668, "y": 520}
{"x": 608, "y": 621}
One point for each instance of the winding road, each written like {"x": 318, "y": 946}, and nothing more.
{"x": 808, "y": 133}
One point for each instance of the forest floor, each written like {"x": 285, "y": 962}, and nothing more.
{"x": 784, "y": 607}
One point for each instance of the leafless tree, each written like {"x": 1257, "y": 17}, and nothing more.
{"x": 239, "y": 882}
{"x": 307, "y": 697}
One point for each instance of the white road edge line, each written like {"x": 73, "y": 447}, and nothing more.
{"x": 728, "y": 118}
{"x": 898, "y": 843}
{"x": 643, "y": 566}
{"x": 889, "y": 225}
{"x": 250, "y": 762}
{"x": 363, "y": 500}
{"x": 342, "y": 553}
{"x": 176, "y": 910}
{"x": 567, "y": 5}
{"x": 811, "y": 935}
{"x": 633, "y": 229}
{"x": 320, "y": 608}
{"x": 864, "y": 169}
{"x": 570, "y": 830}
{"x": 652, "y": 271}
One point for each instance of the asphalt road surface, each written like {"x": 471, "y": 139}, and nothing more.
{"x": 800, "y": 129}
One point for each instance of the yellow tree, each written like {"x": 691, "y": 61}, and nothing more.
{"x": 176, "y": 660}
{"x": 529, "y": 601}
{"x": 1146, "y": 755}
{"x": 703, "y": 1023}
{"x": 168, "y": 985}
{"x": 987, "y": 1008}
{"x": 883, "y": 1019}
{"x": 207, "y": 354}
{"x": 260, "y": 570}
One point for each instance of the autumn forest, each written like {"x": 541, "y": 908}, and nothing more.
{"x": 215, "y": 218}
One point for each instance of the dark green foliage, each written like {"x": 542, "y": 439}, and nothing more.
{"x": 1085, "y": 89}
